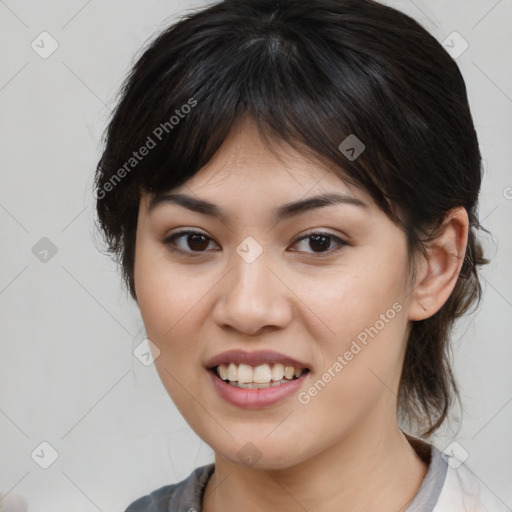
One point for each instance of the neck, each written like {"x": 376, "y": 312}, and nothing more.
{"x": 381, "y": 472}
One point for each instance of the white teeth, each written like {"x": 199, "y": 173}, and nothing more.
{"x": 263, "y": 375}
{"x": 277, "y": 371}
{"x": 222, "y": 370}
{"x": 257, "y": 385}
{"x": 245, "y": 373}
{"x": 289, "y": 372}
{"x": 232, "y": 371}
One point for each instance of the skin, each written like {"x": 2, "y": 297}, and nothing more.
{"x": 344, "y": 446}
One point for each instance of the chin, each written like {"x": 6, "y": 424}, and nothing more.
{"x": 260, "y": 453}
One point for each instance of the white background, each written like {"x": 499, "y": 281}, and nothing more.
{"x": 67, "y": 373}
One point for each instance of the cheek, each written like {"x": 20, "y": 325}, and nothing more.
{"x": 167, "y": 303}
{"x": 352, "y": 298}
{"x": 362, "y": 312}
{"x": 166, "y": 293}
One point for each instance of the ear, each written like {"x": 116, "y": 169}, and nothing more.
{"x": 437, "y": 274}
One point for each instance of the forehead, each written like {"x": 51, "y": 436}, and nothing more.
{"x": 247, "y": 178}
{"x": 270, "y": 166}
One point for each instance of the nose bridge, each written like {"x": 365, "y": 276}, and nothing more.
{"x": 252, "y": 296}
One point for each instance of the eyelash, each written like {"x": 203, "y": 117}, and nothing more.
{"x": 170, "y": 242}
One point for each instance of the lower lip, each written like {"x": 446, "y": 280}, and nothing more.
{"x": 255, "y": 398}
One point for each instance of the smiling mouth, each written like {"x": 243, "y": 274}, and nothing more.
{"x": 257, "y": 377}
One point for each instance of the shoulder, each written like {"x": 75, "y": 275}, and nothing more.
{"x": 450, "y": 485}
{"x": 464, "y": 491}
{"x": 157, "y": 501}
{"x": 185, "y": 494}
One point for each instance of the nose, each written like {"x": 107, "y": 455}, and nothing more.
{"x": 253, "y": 298}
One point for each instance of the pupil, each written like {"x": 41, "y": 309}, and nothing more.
{"x": 317, "y": 239}
{"x": 199, "y": 240}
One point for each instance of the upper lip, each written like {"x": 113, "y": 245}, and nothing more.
{"x": 254, "y": 358}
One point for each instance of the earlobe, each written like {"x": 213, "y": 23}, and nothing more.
{"x": 440, "y": 269}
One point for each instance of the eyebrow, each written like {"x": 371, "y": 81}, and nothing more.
{"x": 283, "y": 212}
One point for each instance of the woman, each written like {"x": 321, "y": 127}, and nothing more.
{"x": 293, "y": 198}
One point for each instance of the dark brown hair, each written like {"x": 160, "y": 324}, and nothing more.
{"x": 310, "y": 73}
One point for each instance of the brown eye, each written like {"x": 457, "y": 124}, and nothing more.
{"x": 197, "y": 242}
{"x": 321, "y": 242}
{"x": 188, "y": 241}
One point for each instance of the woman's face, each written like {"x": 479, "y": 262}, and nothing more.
{"x": 255, "y": 280}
